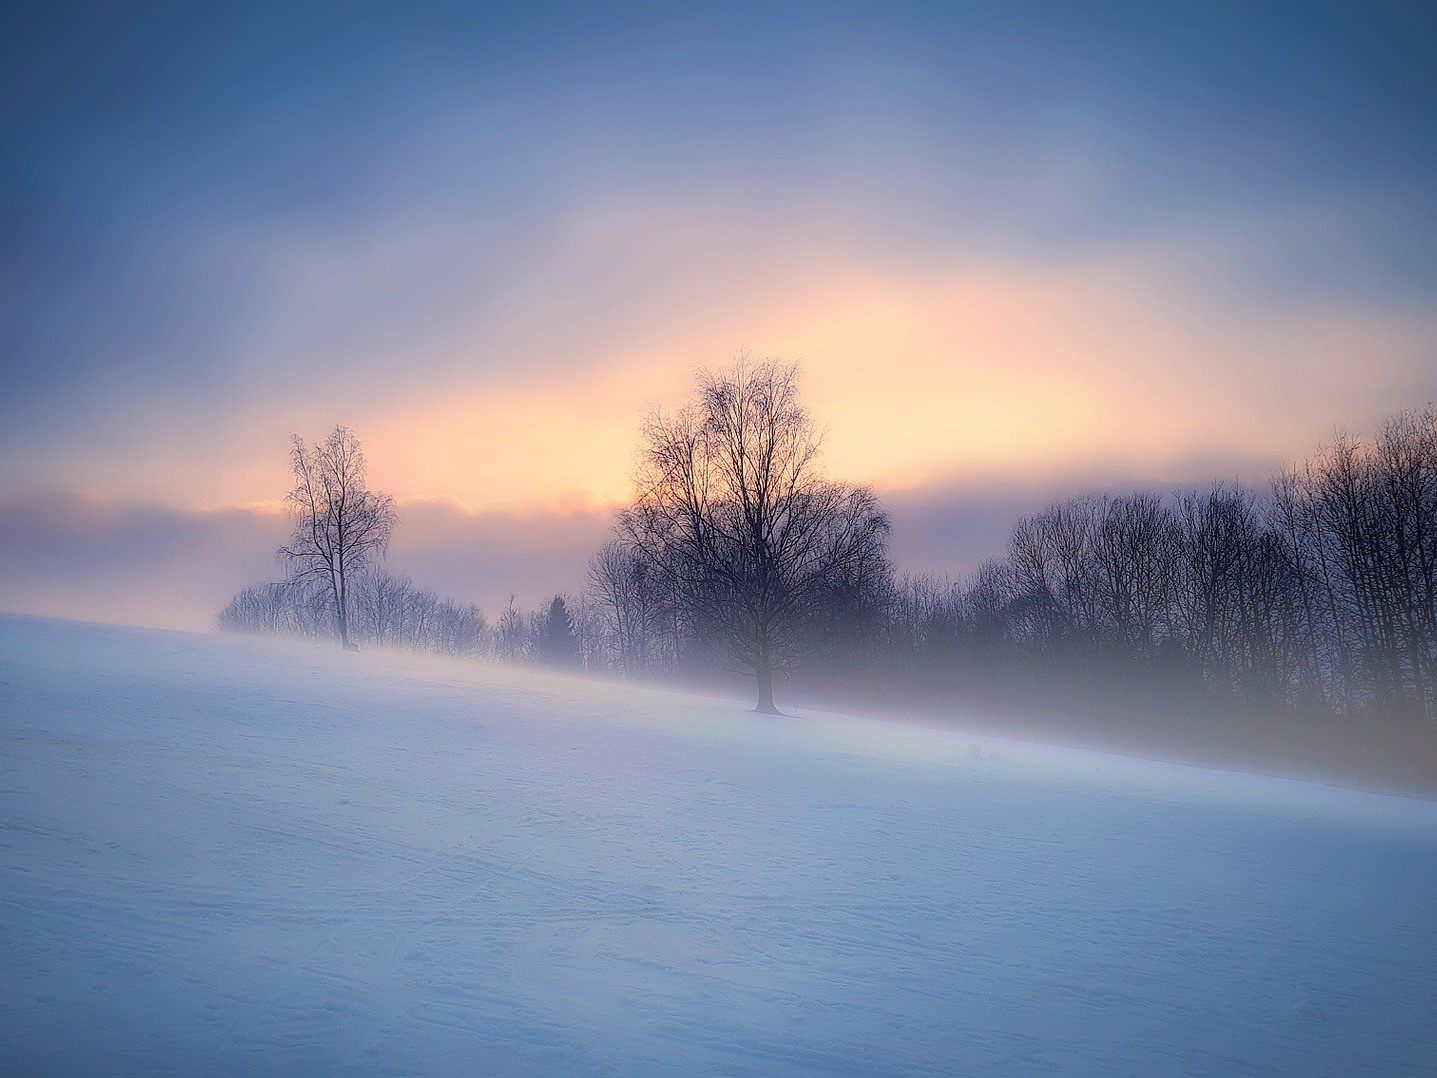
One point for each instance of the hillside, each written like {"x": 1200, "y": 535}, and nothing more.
{"x": 228, "y": 855}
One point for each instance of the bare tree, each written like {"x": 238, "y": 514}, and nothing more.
{"x": 263, "y": 608}
{"x": 385, "y": 610}
{"x": 511, "y": 635}
{"x": 733, "y": 510}
{"x": 339, "y": 523}
{"x": 631, "y": 603}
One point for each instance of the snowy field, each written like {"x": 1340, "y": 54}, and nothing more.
{"x": 236, "y": 856}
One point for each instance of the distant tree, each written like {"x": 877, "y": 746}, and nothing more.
{"x": 511, "y": 635}
{"x": 263, "y": 608}
{"x": 734, "y": 512}
{"x": 386, "y": 610}
{"x": 630, "y": 602}
{"x": 555, "y": 641}
{"x": 340, "y": 525}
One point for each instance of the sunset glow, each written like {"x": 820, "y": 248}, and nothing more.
{"x": 1093, "y": 266}
{"x": 772, "y": 537}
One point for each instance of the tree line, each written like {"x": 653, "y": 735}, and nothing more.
{"x": 739, "y": 554}
{"x": 333, "y": 586}
{"x": 380, "y": 609}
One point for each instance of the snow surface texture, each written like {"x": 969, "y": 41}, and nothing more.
{"x": 239, "y": 856}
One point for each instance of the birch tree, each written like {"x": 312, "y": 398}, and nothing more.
{"x": 340, "y": 525}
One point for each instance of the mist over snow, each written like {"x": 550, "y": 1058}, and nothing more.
{"x": 400, "y": 403}
{"x": 229, "y": 855}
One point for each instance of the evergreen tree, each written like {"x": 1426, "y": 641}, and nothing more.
{"x": 555, "y": 642}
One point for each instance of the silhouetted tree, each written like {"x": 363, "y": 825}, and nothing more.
{"x": 385, "y": 610}
{"x": 630, "y": 598}
{"x": 339, "y": 523}
{"x": 511, "y": 635}
{"x": 555, "y": 642}
{"x": 734, "y": 513}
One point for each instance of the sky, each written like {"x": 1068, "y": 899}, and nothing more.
{"x": 1021, "y": 250}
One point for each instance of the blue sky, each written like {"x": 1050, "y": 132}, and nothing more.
{"x": 1011, "y": 243}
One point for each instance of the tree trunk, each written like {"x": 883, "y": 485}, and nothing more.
{"x": 764, "y": 675}
{"x": 341, "y": 606}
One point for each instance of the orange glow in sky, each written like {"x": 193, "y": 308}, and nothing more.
{"x": 929, "y": 379}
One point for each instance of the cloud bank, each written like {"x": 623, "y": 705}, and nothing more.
{"x": 98, "y": 559}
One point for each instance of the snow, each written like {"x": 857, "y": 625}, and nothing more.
{"x": 225, "y": 855}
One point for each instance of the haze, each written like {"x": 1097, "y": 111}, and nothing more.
{"x": 1019, "y": 252}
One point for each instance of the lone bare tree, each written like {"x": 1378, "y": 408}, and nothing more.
{"x": 734, "y": 511}
{"x": 339, "y": 523}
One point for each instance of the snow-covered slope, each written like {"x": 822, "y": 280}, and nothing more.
{"x": 236, "y": 856}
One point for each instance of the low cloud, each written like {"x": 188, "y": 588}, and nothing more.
{"x": 99, "y": 559}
